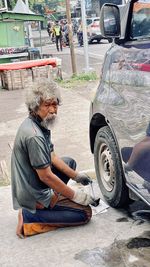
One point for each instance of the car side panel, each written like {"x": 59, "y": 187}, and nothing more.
{"x": 123, "y": 98}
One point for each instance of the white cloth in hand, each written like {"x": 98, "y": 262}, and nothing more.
{"x": 82, "y": 198}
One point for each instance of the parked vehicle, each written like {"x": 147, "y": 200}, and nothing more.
{"x": 94, "y": 32}
{"x": 120, "y": 110}
{"x": 91, "y": 20}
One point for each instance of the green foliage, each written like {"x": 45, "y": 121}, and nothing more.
{"x": 11, "y": 3}
{"x": 91, "y": 76}
{"x": 37, "y": 6}
{"x": 4, "y": 182}
{"x": 78, "y": 80}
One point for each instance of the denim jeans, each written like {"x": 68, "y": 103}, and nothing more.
{"x": 64, "y": 213}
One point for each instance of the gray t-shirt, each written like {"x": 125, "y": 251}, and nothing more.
{"x": 32, "y": 149}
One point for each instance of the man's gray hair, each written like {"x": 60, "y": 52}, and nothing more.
{"x": 40, "y": 91}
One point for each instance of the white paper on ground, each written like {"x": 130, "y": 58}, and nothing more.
{"x": 101, "y": 208}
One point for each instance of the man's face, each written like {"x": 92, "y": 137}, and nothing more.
{"x": 48, "y": 111}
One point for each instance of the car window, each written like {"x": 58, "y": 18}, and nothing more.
{"x": 140, "y": 26}
{"x": 89, "y": 21}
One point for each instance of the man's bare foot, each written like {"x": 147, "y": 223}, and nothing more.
{"x": 19, "y": 230}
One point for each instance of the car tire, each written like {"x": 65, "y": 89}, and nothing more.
{"x": 109, "y": 170}
{"x": 98, "y": 41}
{"x": 90, "y": 42}
{"x": 110, "y": 40}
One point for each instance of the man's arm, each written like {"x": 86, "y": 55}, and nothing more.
{"x": 62, "y": 166}
{"x": 50, "y": 179}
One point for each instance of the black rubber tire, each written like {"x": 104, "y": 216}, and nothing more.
{"x": 110, "y": 40}
{"x": 109, "y": 170}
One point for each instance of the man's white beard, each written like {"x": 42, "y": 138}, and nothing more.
{"x": 50, "y": 121}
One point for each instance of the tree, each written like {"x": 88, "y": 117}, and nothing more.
{"x": 11, "y": 3}
{"x": 38, "y": 6}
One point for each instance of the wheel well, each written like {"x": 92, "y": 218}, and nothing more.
{"x": 98, "y": 121}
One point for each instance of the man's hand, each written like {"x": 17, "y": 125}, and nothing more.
{"x": 82, "y": 198}
{"x": 83, "y": 179}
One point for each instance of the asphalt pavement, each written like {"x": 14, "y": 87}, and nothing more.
{"x": 95, "y": 53}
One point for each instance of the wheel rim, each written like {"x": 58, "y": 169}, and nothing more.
{"x": 106, "y": 167}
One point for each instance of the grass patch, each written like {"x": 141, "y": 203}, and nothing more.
{"x": 77, "y": 80}
{"x": 4, "y": 182}
{"x": 91, "y": 76}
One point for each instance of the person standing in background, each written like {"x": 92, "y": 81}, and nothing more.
{"x": 58, "y": 35}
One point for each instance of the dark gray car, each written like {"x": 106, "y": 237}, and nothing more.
{"x": 120, "y": 111}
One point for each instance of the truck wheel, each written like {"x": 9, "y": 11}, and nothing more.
{"x": 109, "y": 170}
